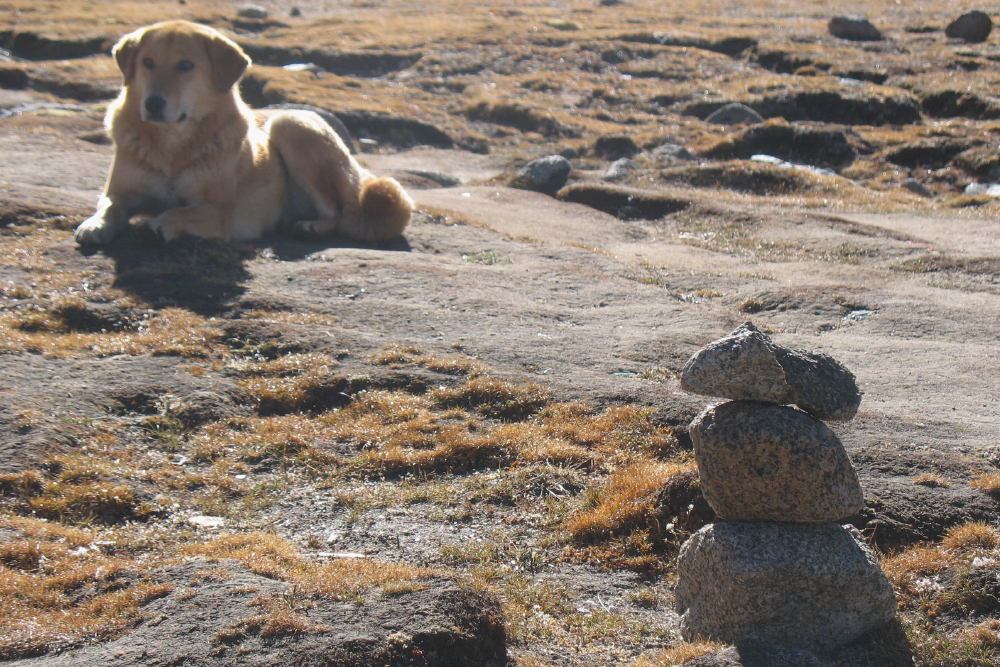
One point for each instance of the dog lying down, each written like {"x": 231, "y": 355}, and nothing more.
{"x": 195, "y": 159}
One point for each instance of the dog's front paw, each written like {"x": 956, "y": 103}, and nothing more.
{"x": 94, "y": 231}
{"x": 153, "y": 231}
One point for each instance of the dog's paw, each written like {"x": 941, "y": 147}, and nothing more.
{"x": 153, "y": 231}
{"x": 306, "y": 230}
{"x": 94, "y": 231}
{"x": 144, "y": 234}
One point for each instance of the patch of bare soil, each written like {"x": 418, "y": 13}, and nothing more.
{"x": 300, "y": 448}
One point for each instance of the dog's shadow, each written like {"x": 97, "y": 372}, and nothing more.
{"x": 207, "y": 277}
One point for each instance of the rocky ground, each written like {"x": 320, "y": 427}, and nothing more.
{"x": 272, "y": 448}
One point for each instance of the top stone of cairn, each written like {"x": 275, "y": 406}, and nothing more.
{"x": 746, "y": 365}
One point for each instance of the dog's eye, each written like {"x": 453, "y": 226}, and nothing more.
{"x": 148, "y": 63}
{"x": 185, "y": 66}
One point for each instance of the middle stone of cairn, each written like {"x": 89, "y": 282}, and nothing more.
{"x": 776, "y": 567}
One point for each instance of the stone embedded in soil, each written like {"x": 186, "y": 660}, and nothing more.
{"x": 813, "y": 587}
{"x": 619, "y": 169}
{"x": 763, "y": 462}
{"x": 546, "y": 174}
{"x": 613, "y": 147}
{"x": 671, "y": 153}
{"x": 854, "y": 28}
{"x": 734, "y": 114}
{"x": 252, "y": 12}
{"x": 747, "y": 365}
{"x": 973, "y": 27}
{"x": 916, "y": 187}
{"x": 209, "y": 622}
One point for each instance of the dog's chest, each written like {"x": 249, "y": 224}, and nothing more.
{"x": 184, "y": 189}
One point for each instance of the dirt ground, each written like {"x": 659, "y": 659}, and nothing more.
{"x": 100, "y": 344}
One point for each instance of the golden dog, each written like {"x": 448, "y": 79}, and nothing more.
{"x": 192, "y": 155}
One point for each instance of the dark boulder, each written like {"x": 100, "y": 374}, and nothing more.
{"x": 854, "y": 28}
{"x": 973, "y": 27}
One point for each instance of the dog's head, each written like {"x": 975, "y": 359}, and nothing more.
{"x": 178, "y": 69}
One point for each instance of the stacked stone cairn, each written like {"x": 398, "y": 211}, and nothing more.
{"x": 776, "y": 567}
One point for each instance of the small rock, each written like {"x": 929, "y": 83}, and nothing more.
{"x": 615, "y": 146}
{"x": 763, "y": 462}
{"x": 569, "y": 153}
{"x": 734, "y": 114}
{"x": 295, "y": 12}
{"x": 619, "y": 169}
{"x": 973, "y": 27}
{"x": 546, "y": 174}
{"x": 813, "y": 587}
{"x": 991, "y": 189}
{"x": 916, "y": 187}
{"x": 747, "y": 365}
{"x": 671, "y": 153}
{"x": 252, "y": 12}
{"x": 202, "y": 407}
{"x": 854, "y": 28}
{"x": 209, "y": 522}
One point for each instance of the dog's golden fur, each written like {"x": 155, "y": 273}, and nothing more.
{"x": 190, "y": 154}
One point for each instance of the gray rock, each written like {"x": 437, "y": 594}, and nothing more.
{"x": 734, "y": 114}
{"x": 973, "y": 27}
{"x": 813, "y": 587}
{"x": 671, "y": 153}
{"x": 751, "y": 653}
{"x": 619, "y": 169}
{"x": 764, "y": 462}
{"x": 546, "y": 174}
{"x": 916, "y": 187}
{"x": 747, "y": 365}
{"x": 854, "y": 28}
{"x": 252, "y": 12}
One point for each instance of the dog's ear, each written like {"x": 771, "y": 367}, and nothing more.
{"x": 228, "y": 62}
{"x": 124, "y": 52}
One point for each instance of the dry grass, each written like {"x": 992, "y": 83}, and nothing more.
{"x": 932, "y": 480}
{"x": 401, "y": 356}
{"x": 976, "y": 535}
{"x": 677, "y": 655}
{"x": 989, "y": 483}
{"x": 58, "y": 593}
{"x": 344, "y": 579}
{"x": 624, "y": 502}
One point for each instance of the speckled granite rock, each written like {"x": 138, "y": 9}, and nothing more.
{"x": 747, "y": 365}
{"x": 813, "y": 587}
{"x": 764, "y": 462}
{"x": 546, "y": 174}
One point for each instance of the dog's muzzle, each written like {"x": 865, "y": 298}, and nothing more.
{"x": 155, "y": 105}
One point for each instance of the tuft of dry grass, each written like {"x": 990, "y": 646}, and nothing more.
{"x": 494, "y": 398}
{"x": 989, "y": 483}
{"x": 624, "y": 503}
{"x": 976, "y": 535}
{"x": 677, "y": 654}
{"x": 400, "y": 356}
{"x": 931, "y": 480}
{"x": 56, "y": 593}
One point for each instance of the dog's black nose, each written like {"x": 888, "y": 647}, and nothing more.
{"x": 155, "y": 104}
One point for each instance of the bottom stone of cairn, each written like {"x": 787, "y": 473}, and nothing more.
{"x": 809, "y": 586}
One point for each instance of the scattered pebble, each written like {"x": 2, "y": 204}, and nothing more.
{"x": 854, "y": 28}
{"x": 619, "y": 169}
{"x": 988, "y": 189}
{"x": 208, "y": 522}
{"x": 546, "y": 174}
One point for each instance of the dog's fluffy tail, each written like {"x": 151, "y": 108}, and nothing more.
{"x": 384, "y": 212}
